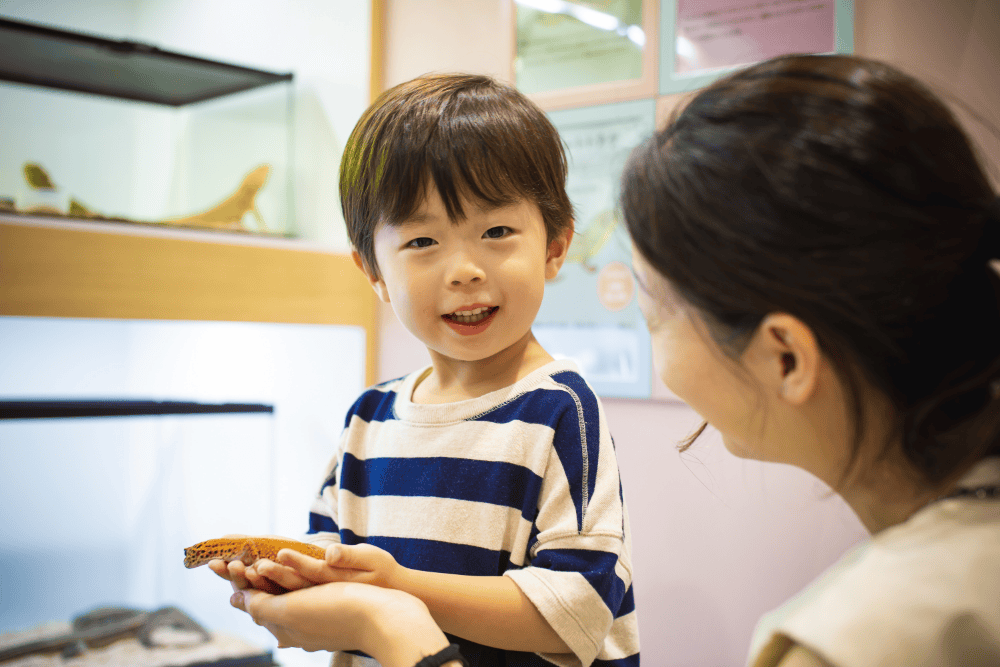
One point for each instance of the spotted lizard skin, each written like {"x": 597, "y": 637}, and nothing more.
{"x": 245, "y": 549}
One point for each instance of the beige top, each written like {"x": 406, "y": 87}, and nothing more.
{"x": 923, "y": 593}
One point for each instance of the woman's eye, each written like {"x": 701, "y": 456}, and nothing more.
{"x": 497, "y": 232}
{"x": 421, "y": 242}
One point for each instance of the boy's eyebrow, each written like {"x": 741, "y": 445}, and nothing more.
{"x": 419, "y": 217}
{"x": 416, "y": 219}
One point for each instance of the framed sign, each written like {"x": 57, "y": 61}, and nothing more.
{"x": 570, "y": 53}
{"x": 590, "y": 313}
{"x": 704, "y": 39}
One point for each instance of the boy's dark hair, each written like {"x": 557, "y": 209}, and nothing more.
{"x": 468, "y": 135}
{"x": 843, "y": 192}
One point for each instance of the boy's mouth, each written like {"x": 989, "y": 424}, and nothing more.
{"x": 473, "y": 316}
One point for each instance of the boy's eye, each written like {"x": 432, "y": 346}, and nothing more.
{"x": 421, "y": 242}
{"x": 497, "y": 232}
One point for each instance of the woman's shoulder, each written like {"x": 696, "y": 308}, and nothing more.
{"x": 801, "y": 656}
{"x": 898, "y": 598}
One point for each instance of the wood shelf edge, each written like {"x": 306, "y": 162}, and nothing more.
{"x": 47, "y": 271}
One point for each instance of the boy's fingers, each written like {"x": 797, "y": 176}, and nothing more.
{"x": 355, "y": 557}
{"x": 287, "y": 577}
{"x": 334, "y": 555}
{"x": 238, "y": 575}
{"x": 309, "y": 569}
{"x": 363, "y": 557}
{"x": 293, "y": 558}
{"x": 219, "y": 567}
{"x": 256, "y": 579}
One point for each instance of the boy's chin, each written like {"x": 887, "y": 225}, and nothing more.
{"x": 467, "y": 353}
{"x": 466, "y": 356}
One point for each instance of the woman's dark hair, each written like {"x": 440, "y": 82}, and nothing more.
{"x": 843, "y": 192}
{"x": 470, "y": 136}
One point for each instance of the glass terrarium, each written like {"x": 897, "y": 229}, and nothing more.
{"x": 121, "y": 131}
{"x": 122, "y": 442}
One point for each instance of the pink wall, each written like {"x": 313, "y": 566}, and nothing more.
{"x": 717, "y": 540}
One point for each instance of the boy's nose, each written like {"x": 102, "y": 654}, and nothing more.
{"x": 465, "y": 270}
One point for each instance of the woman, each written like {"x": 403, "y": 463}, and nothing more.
{"x": 812, "y": 237}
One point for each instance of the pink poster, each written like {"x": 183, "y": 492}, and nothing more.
{"x": 714, "y": 34}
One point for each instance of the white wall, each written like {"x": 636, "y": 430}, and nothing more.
{"x": 443, "y": 36}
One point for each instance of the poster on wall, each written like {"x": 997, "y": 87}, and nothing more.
{"x": 703, "y": 39}
{"x": 590, "y": 313}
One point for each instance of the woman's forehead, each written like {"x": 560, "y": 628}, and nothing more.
{"x": 657, "y": 286}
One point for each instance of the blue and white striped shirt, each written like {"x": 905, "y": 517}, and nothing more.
{"x": 522, "y": 482}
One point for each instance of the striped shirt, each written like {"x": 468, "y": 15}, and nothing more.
{"x": 522, "y": 482}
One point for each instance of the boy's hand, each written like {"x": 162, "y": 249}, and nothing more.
{"x": 243, "y": 577}
{"x": 360, "y": 563}
{"x": 234, "y": 575}
{"x": 281, "y": 576}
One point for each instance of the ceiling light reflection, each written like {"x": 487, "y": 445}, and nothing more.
{"x": 592, "y": 17}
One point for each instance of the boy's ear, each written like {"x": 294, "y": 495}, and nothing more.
{"x": 377, "y": 283}
{"x": 557, "y": 251}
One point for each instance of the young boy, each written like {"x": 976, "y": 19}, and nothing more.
{"x": 485, "y": 484}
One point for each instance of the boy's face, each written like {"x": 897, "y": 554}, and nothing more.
{"x": 468, "y": 290}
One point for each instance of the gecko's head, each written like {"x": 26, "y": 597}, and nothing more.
{"x": 203, "y": 552}
{"x": 193, "y": 557}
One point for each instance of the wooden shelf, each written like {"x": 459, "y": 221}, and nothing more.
{"x": 57, "y": 269}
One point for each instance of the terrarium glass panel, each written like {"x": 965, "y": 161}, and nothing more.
{"x": 220, "y": 164}
{"x": 149, "y": 137}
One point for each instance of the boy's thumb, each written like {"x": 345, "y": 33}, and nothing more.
{"x": 333, "y": 554}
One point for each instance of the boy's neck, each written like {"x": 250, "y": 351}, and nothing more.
{"x": 452, "y": 380}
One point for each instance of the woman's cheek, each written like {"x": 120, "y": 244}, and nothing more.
{"x": 663, "y": 360}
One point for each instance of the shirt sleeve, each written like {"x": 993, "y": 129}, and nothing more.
{"x": 578, "y": 573}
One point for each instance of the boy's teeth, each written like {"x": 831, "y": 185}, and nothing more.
{"x": 470, "y": 316}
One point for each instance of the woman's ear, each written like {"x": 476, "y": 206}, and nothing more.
{"x": 557, "y": 251}
{"x": 786, "y": 357}
{"x": 375, "y": 281}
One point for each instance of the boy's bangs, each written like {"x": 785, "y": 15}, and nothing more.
{"x": 467, "y": 177}
{"x": 485, "y": 164}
